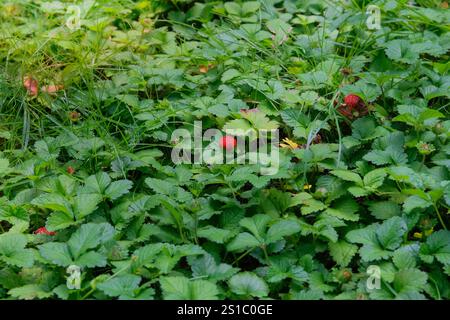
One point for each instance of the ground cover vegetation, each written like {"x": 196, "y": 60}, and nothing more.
{"x": 93, "y": 207}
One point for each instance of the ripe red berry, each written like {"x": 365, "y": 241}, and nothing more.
{"x": 43, "y": 230}
{"x": 31, "y": 85}
{"x": 352, "y": 100}
{"x": 70, "y": 170}
{"x": 227, "y": 142}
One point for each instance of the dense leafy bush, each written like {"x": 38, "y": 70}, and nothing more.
{"x": 92, "y": 206}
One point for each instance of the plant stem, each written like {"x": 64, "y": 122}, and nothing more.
{"x": 439, "y": 216}
{"x": 263, "y": 247}
{"x": 242, "y": 255}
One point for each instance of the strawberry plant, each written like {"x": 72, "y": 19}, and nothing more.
{"x": 117, "y": 118}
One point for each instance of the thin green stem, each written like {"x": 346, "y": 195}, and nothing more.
{"x": 439, "y": 216}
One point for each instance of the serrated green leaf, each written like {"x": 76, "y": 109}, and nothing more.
{"x": 89, "y": 236}
{"x": 230, "y": 74}
{"x": 389, "y": 156}
{"x": 214, "y": 234}
{"x": 249, "y": 285}
{"x": 414, "y": 202}
{"x": 85, "y": 204}
{"x": 13, "y": 252}
{"x": 282, "y": 229}
{"x": 30, "y": 292}
{"x": 401, "y": 50}
{"x": 390, "y": 233}
{"x": 122, "y": 285}
{"x": 205, "y": 265}
{"x": 437, "y": 246}
{"x": 347, "y": 176}
{"x": 53, "y": 201}
{"x": 57, "y": 253}
{"x": 409, "y": 280}
{"x": 384, "y": 209}
{"x": 256, "y": 224}
{"x": 181, "y": 288}
{"x": 97, "y": 183}
{"x": 342, "y": 252}
{"x": 373, "y": 252}
{"x": 91, "y": 259}
{"x": 118, "y": 188}
{"x": 358, "y": 192}
{"x": 344, "y": 209}
{"x": 237, "y": 125}
{"x": 405, "y": 257}
{"x": 59, "y": 220}
{"x": 168, "y": 189}
{"x": 243, "y": 241}
{"x": 374, "y": 178}
{"x": 312, "y": 205}
{"x": 297, "y": 120}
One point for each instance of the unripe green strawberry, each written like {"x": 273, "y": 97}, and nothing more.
{"x": 344, "y": 275}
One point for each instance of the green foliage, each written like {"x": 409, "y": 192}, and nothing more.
{"x": 88, "y": 185}
{"x": 181, "y": 288}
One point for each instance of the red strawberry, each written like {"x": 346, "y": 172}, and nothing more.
{"x": 31, "y": 85}
{"x": 355, "y": 112}
{"x": 352, "y": 100}
{"x": 43, "y": 230}
{"x": 70, "y": 170}
{"x": 52, "y": 88}
{"x": 227, "y": 142}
